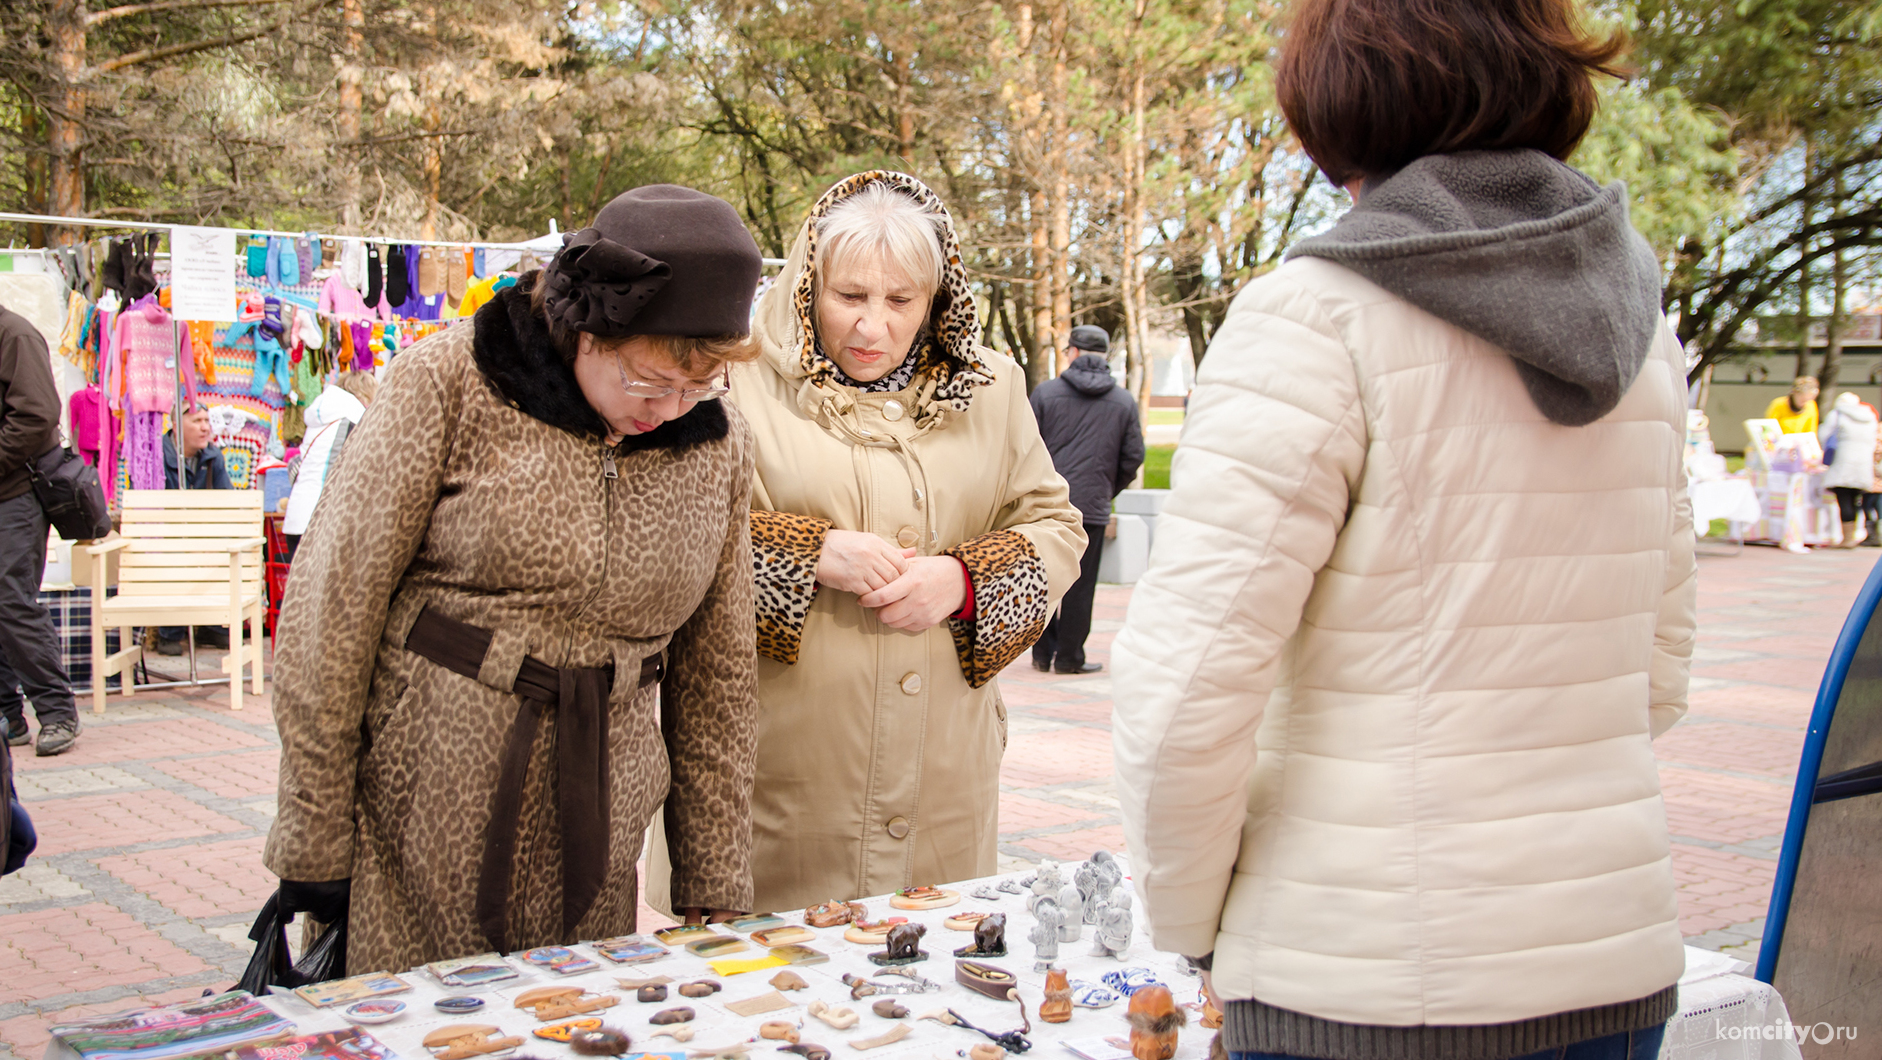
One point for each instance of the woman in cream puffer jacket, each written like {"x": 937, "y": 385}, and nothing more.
{"x": 1420, "y": 600}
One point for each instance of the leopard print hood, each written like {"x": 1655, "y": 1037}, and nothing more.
{"x": 950, "y": 364}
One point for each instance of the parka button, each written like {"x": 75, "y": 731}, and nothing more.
{"x": 911, "y": 684}
{"x": 898, "y": 827}
{"x": 907, "y": 537}
{"x": 891, "y": 410}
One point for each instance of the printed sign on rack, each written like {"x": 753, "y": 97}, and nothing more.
{"x": 202, "y": 273}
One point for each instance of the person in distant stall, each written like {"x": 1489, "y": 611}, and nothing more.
{"x": 203, "y": 469}
{"x": 1796, "y": 412}
{"x": 330, "y": 419}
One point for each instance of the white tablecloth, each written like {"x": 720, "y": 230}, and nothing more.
{"x": 1731, "y": 499}
{"x": 1713, "y": 1002}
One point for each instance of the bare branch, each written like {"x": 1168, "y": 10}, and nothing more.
{"x": 127, "y": 10}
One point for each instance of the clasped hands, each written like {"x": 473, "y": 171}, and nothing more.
{"x": 908, "y": 592}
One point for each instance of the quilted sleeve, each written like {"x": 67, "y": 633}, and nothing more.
{"x": 1273, "y": 446}
{"x": 784, "y": 552}
{"x": 1011, "y": 603}
{"x": 1675, "y": 627}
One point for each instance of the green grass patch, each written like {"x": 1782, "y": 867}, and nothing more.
{"x": 1165, "y": 416}
{"x": 1157, "y": 464}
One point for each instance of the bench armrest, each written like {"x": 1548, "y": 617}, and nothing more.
{"x": 243, "y": 546}
{"x": 107, "y": 547}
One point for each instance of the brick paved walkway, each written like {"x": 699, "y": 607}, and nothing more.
{"x": 151, "y": 829}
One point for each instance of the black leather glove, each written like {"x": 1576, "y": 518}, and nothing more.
{"x": 324, "y": 900}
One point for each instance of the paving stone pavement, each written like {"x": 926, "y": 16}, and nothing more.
{"x": 149, "y": 868}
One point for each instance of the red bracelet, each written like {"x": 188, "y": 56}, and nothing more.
{"x": 966, "y": 613}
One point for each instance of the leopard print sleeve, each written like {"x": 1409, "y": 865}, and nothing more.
{"x": 784, "y": 552}
{"x": 1011, "y": 604}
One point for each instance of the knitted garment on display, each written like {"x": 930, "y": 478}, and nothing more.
{"x": 143, "y": 450}
{"x": 375, "y": 290}
{"x": 152, "y": 354}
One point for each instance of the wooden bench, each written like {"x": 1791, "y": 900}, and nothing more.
{"x": 190, "y": 557}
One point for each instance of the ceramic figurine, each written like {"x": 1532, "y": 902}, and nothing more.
{"x": 985, "y": 1051}
{"x": 1045, "y": 933}
{"x": 779, "y": 1031}
{"x": 1010, "y": 886}
{"x": 1110, "y": 873}
{"x": 1085, "y": 878}
{"x": 1154, "y": 1020}
{"x": 833, "y": 914}
{"x": 789, "y": 980}
{"x": 671, "y": 1015}
{"x": 656, "y": 992}
{"x": 889, "y": 1009}
{"x": 700, "y": 988}
{"x": 679, "y": 1032}
{"x": 1045, "y": 883}
{"x": 1112, "y": 937}
{"x": 1073, "y": 903}
{"x": 989, "y": 938}
{"x": 904, "y": 945}
{"x": 1057, "y": 1007}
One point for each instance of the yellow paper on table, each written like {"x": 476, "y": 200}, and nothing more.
{"x": 752, "y": 964}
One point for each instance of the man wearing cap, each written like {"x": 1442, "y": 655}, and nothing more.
{"x": 1090, "y": 426}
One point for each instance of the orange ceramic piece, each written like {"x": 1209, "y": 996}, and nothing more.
{"x": 1154, "y": 1020}
{"x": 1057, "y": 1007}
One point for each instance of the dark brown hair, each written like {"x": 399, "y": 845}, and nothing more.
{"x": 1371, "y": 86}
{"x": 697, "y": 357}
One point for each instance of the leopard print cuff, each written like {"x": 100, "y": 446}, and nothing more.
{"x": 784, "y": 552}
{"x": 1010, "y": 603}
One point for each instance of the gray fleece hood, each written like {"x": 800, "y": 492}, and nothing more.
{"x": 1522, "y": 251}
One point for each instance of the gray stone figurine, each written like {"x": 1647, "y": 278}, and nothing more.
{"x": 1113, "y": 934}
{"x": 1045, "y": 933}
{"x": 1072, "y": 904}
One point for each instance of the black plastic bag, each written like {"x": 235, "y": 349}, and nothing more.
{"x": 324, "y": 960}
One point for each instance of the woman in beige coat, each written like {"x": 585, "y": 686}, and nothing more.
{"x": 910, "y": 538}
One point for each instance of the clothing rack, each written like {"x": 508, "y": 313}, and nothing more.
{"x": 92, "y": 222}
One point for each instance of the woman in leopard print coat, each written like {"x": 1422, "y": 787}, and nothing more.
{"x": 911, "y": 539}
{"x": 513, "y": 476}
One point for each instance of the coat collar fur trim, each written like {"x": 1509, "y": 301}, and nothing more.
{"x": 513, "y": 350}
{"x": 949, "y": 357}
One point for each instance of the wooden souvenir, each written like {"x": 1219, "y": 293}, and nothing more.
{"x": 986, "y": 980}
{"x": 651, "y": 993}
{"x": 889, "y": 1037}
{"x": 789, "y": 934}
{"x": 684, "y": 933}
{"x": 752, "y": 1006}
{"x": 833, "y": 914}
{"x": 989, "y": 938}
{"x": 1211, "y": 1016}
{"x": 1057, "y": 1007}
{"x": 779, "y": 1031}
{"x": 889, "y": 1009}
{"x": 735, "y": 1051}
{"x": 716, "y": 946}
{"x": 679, "y": 1032}
{"x": 600, "y": 1041}
{"x": 841, "y": 1019}
{"x": 636, "y": 984}
{"x": 789, "y": 980}
{"x": 1154, "y": 1019}
{"x": 682, "y": 1014}
{"x": 807, "y": 1051}
{"x": 923, "y": 898}
{"x": 754, "y": 922}
{"x": 462, "y": 1041}
{"x": 904, "y": 946}
{"x": 872, "y": 932}
{"x": 700, "y": 988}
{"x": 985, "y": 1051}
{"x": 964, "y": 920}
{"x": 563, "y": 1032}
{"x": 561, "y": 1002}
{"x": 792, "y": 953}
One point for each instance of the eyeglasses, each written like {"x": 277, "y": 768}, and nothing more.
{"x": 654, "y": 391}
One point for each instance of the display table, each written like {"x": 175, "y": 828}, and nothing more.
{"x": 1721, "y": 1014}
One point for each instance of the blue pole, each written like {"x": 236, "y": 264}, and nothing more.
{"x": 1809, "y": 765}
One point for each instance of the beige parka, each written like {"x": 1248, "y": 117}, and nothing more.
{"x": 879, "y": 750}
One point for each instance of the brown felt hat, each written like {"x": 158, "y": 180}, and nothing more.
{"x": 659, "y": 260}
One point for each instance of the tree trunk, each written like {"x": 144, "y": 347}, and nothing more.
{"x": 1044, "y": 351}
{"x": 65, "y": 118}
{"x": 1136, "y": 300}
{"x": 352, "y": 106}
{"x": 1803, "y": 273}
{"x": 1058, "y": 164}
{"x": 1839, "y": 298}
{"x": 32, "y": 131}
{"x": 434, "y": 171}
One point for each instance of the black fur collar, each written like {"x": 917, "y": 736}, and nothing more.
{"x": 513, "y": 350}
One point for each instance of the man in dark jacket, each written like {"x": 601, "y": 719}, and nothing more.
{"x": 1090, "y": 426}
{"x": 29, "y": 428}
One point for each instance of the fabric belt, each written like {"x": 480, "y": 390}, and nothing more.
{"x": 579, "y": 697}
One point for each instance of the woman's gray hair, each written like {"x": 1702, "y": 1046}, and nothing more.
{"x": 880, "y": 220}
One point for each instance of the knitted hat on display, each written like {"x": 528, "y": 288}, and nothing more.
{"x": 374, "y": 289}
{"x": 398, "y": 279}
{"x": 1091, "y": 338}
{"x": 659, "y": 260}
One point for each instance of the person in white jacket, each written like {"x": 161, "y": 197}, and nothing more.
{"x": 330, "y": 416}
{"x": 1423, "y": 594}
{"x": 1849, "y": 436}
